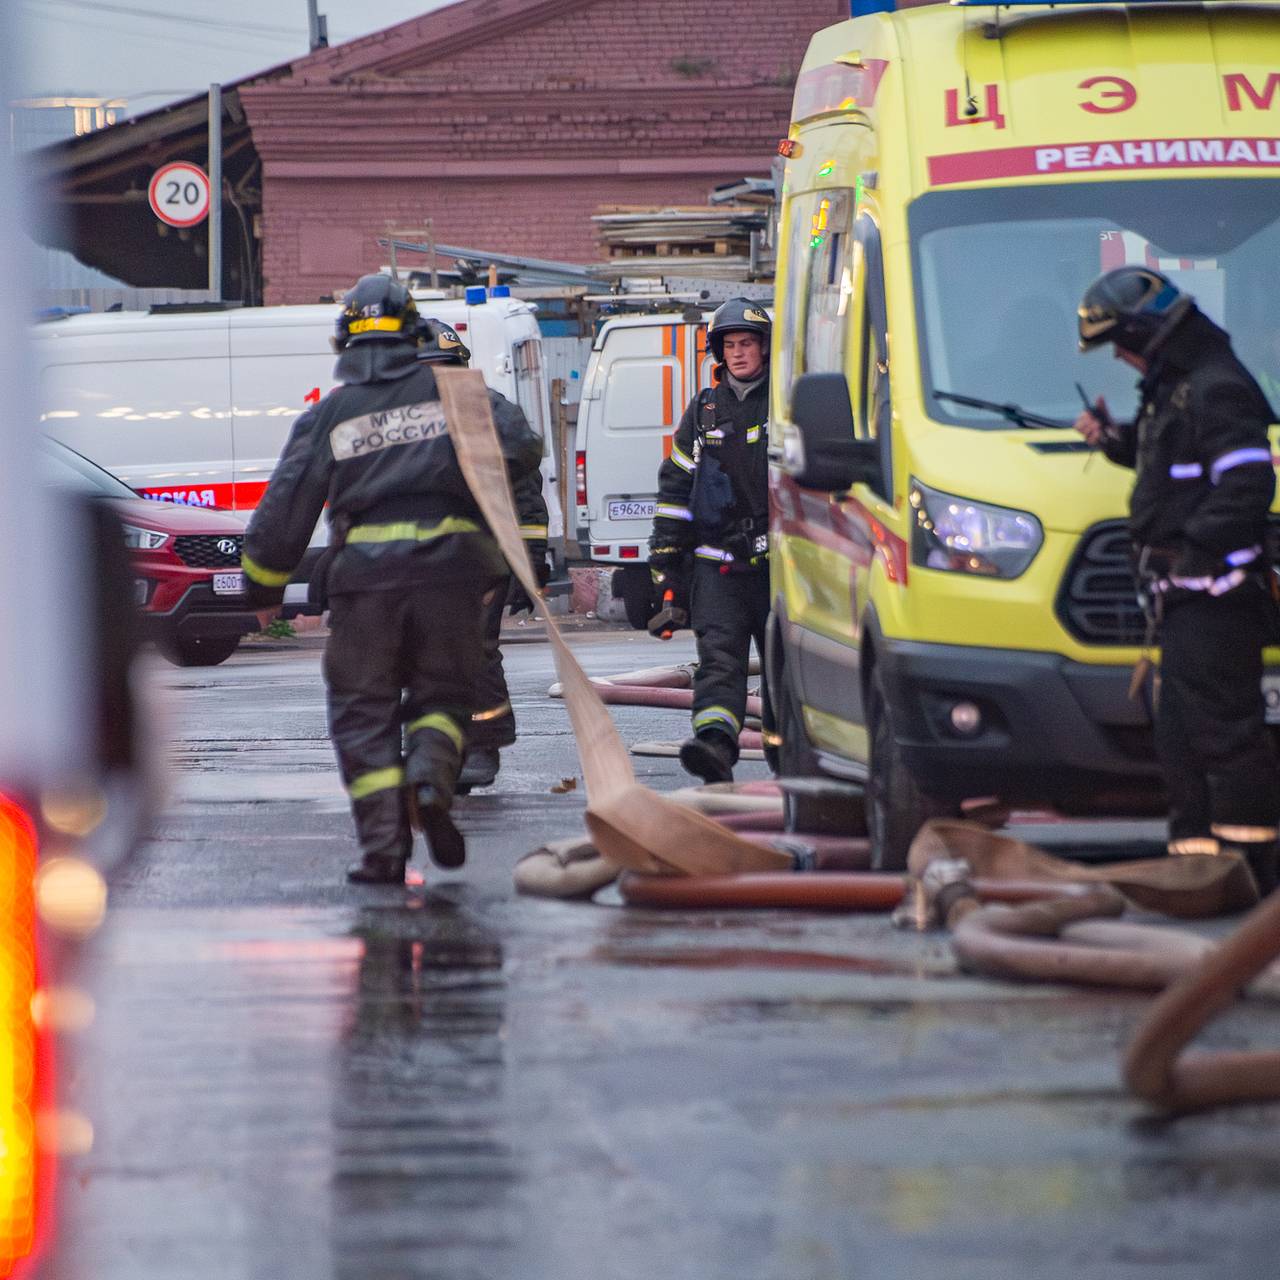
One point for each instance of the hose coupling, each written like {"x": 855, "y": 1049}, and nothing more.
{"x": 931, "y": 897}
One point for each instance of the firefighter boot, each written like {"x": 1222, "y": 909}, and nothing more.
{"x": 430, "y": 815}
{"x": 432, "y": 761}
{"x": 386, "y": 842}
{"x": 709, "y": 755}
{"x": 386, "y": 866}
{"x": 479, "y": 769}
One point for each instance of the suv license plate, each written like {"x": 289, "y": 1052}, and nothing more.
{"x": 632, "y": 510}
{"x": 1271, "y": 697}
{"x": 228, "y": 584}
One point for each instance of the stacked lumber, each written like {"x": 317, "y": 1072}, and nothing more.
{"x": 707, "y": 232}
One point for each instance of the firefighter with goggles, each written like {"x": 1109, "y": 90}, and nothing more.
{"x": 410, "y": 573}
{"x": 493, "y": 724}
{"x": 710, "y": 531}
{"x": 1198, "y": 519}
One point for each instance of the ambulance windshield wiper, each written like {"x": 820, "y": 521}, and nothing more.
{"x": 1009, "y": 412}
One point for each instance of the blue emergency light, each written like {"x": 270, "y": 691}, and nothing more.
{"x": 475, "y": 295}
{"x": 862, "y": 8}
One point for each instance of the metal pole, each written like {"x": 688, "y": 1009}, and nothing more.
{"x": 317, "y": 27}
{"x": 215, "y": 191}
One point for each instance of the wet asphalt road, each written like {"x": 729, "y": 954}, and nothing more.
{"x": 291, "y": 1078}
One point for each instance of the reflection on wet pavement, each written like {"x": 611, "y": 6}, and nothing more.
{"x": 422, "y": 1168}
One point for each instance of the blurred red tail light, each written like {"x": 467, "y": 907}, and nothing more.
{"x": 19, "y": 1057}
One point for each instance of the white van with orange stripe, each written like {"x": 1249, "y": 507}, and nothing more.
{"x": 193, "y": 406}
{"x": 642, "y": 373}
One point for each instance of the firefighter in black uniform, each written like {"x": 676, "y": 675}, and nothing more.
{"x": 1198, "y": 517}
{"x": 493, "y": 724}
{"x": 713, "y": 510}
{"x": 409, "y": 574}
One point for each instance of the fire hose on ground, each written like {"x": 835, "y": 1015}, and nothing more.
{"x": 1152, "y": 1066}
{"x": 630, "y": 825}
{"x": 661, "y": 844}
{"x": 842, "y": 891}
{"x": 664, "y": 687}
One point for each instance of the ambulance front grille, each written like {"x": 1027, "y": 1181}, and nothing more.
{"x": 1098, "y": 603}
{"x": 209, "y": 550}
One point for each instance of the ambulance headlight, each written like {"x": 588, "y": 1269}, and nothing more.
{"x": 958, "y": 535}
{"x": 137, "y": 538}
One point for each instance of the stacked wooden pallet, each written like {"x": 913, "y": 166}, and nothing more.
{"x": 642, "y": 239}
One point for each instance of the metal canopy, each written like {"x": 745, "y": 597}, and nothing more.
{"x": 94, "y": 197}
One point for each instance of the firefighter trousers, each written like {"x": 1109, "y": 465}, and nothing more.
{"x": 1216, "y": 751}
{"x": 728, "y": 611}
{"x": 401, "y": 669}
{"x": 494, "y": 723}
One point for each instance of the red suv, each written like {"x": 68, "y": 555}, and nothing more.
{"x": 186, "y": 563}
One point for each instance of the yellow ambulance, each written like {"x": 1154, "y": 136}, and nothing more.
{"x": 954, "y": 610}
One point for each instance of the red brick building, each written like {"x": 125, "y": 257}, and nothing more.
{"x": 509, "y": 122}
{"x": 506, "y": 122}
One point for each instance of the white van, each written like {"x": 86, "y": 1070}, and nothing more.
{"x": 642, "y": 374}
{"x": 194, "y": 405}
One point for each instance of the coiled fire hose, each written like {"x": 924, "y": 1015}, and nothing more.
{"x": 1064, "y": 941}
{"x": 1152, "y": 1068}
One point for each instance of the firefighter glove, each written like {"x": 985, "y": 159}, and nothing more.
{"x": 518, "y": 599}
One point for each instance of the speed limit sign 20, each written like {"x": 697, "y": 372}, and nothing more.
{"x": 179, "y": 194}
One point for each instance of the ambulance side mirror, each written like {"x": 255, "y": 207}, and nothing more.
{"x": 821, "y": 451}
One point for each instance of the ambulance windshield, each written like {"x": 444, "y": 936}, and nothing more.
{"x": 999, "y": 274}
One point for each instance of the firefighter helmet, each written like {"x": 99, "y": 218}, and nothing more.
{"x": 378, "y": 308}
{"x": 738, "y": 315}
{"x": 441, "y": 344}
{"x": 1134, "y": 307}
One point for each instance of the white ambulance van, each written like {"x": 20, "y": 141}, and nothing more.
{"x": 642, "y": 373}
{"x": 193, "y": 405}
